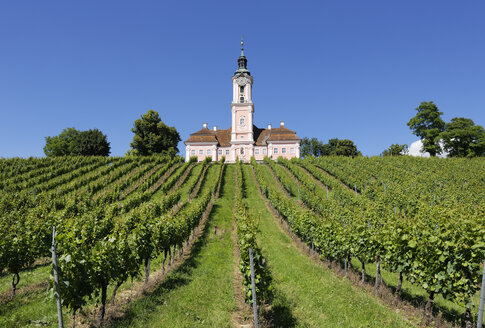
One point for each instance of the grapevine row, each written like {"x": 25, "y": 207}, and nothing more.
{"x": 98, "y": 253}
{"x": 431, "y": 250}
{"x": 247, "y": 229}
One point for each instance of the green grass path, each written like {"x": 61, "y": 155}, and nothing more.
{"x": 308, "y": 294}
{"x": 200, "y": 292}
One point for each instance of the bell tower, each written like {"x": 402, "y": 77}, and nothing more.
{"x": 242, "y": 107}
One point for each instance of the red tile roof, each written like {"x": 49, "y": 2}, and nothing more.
{"x": 223, "y": 137}
{"x": 282, "y": 133}
{"x": 204, "y": 135}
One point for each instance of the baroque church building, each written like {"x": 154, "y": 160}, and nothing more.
{"x": 243, "y": 139}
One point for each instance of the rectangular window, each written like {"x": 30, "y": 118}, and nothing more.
{"x": 192, "y": 152}
{"x": 227, "y": 152}
{"x": 201, "y": 152}
{"x": 292, "y": 150}
{"x": 275, "y": 150}
{"x": 208, "y": 151}
{"x": 256, "y": 152}
{"x": 220, "y": 152}
{"x": 283, "y": 150}
{"x": 264, "y": 151}
{"x": 242, "y": 137}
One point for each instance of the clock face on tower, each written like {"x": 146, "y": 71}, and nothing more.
{"x": 242, "y": 81}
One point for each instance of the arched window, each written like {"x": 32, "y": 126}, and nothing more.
{"x": 241, "y": 89}
{"x": 241, "y": 99}
{"x": 242, "y": 151}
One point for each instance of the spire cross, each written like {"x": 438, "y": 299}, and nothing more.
{"x": 242, "y": 46}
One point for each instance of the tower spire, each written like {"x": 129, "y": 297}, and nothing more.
{"x": 242, "y": 62}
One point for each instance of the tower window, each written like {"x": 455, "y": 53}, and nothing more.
{"x": 241, "y": 121}
{"x": 241, "y": 89}
{"x": 241, "y": 99}
{"x": 242, "y": 151}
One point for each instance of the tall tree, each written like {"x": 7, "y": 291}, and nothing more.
{"x": 395, "y": 150}
{"x": 61, "y": 145}
{"x": 152, "y": 136}
{"x": 462, "y": 138}
{"x": 91, "y": 143}
{"x": 427, "y": 124}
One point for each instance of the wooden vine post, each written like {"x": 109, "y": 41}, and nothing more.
{"x": 56, "y": 279}
{"x": 253, "y": 288}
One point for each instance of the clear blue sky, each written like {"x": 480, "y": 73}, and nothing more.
{"x": 344, "y": 69}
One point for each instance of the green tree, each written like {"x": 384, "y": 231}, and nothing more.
{"x": 346, "y": 147}
{"x": 91, "y": 143}
{"x": 61, "y": 145}
{"x": 314, "y": 147}
{"x": 330, "y": 147}
{"x": 77, "y": 143}
{"x": 395, "y": 150}
{"x": 311, "y": 147}
{"x": 427, "y": 124}
{"x": 462, "y": 138}
{"x": 152, "y": 136}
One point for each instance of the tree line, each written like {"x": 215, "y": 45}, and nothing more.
{"x": 458, "y": 138}
{"x": 152, "y": 136}
{"x": 315, "y": 147}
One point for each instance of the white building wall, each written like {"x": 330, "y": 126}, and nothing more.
{"x": 274, "y": 150}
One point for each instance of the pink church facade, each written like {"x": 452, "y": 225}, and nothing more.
{"x": 243, "y": 139}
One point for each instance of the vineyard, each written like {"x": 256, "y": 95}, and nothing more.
{"x": 155, "y": 241}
